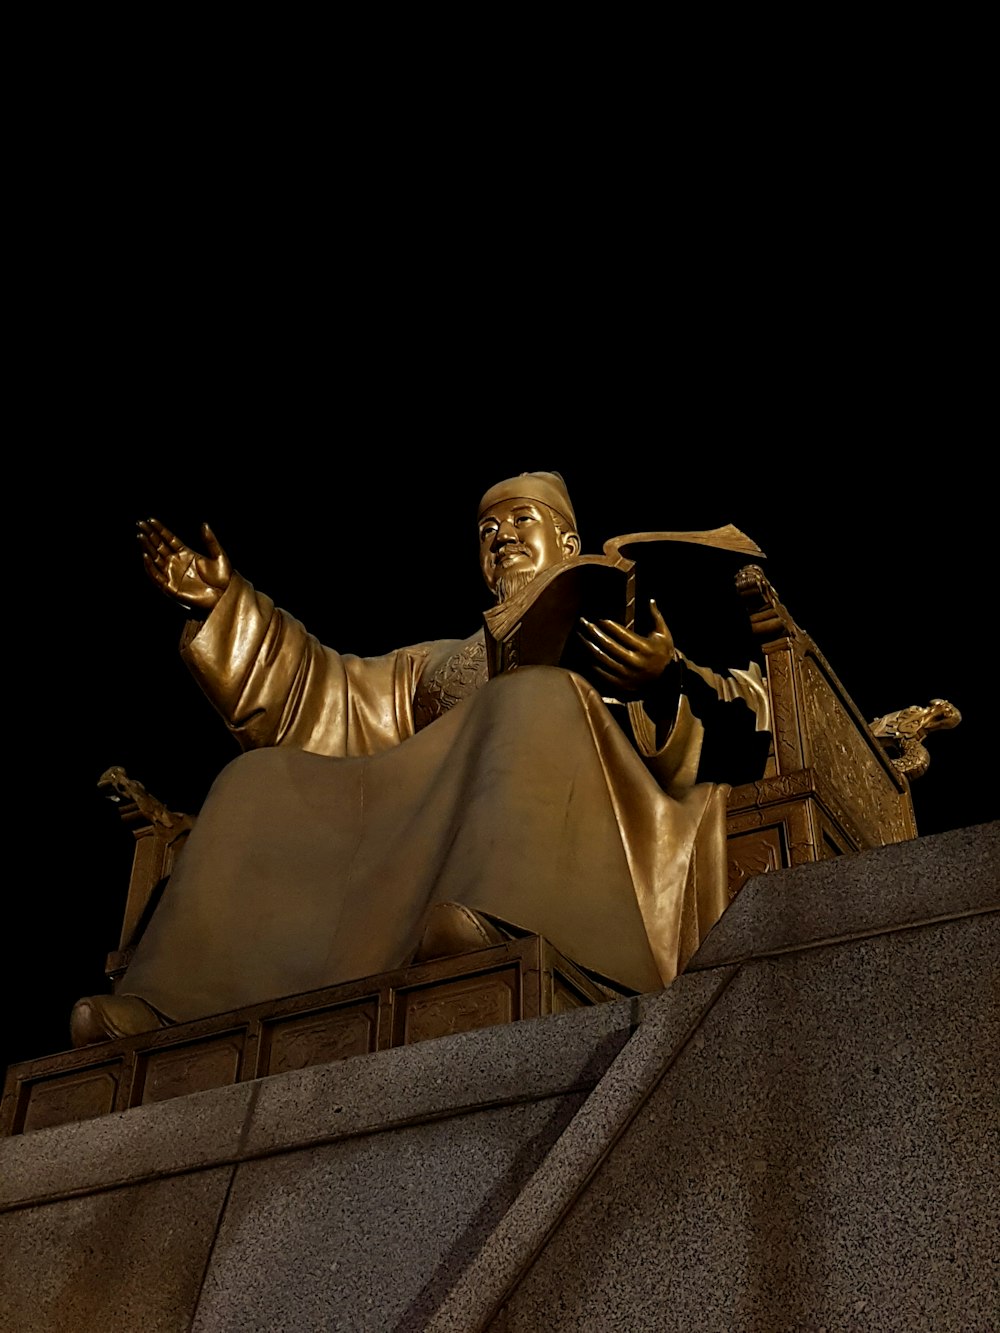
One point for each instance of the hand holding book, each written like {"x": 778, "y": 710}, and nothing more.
{"x": 627, "y": 662}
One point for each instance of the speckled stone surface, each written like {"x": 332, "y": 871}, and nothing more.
{"x": 367, "y": 1233}
{"x": 805, "y": 1140}
{"x": 668, "y": 1021}
{"x": 123, "y": 1261}
{"x": 176, "y": 1135}
{"x": 823, "y": 1154}
{"x": 944, "y": 875}
{"x": 538, "y": 1058}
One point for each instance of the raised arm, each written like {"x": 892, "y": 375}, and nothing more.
{"x": 196, "y": 581}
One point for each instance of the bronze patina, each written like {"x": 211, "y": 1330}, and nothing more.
{"x": 445, "y": 796}
{"x": 903, "y": 733}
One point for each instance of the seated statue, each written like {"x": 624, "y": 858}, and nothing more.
{"x": 393, "y": 808}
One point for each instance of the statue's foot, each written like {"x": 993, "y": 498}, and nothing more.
{"x": 106, "y": 1017}
{"x": 451, "y": 929}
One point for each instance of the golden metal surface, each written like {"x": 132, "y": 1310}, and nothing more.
{"x": 159, "y": 835}
{"x": 903, "y": 732}
{"x": 125, "y": 792}
{"x": 485, "y": 777}
{"x": 570, "y": 802}
{"x": 830, "y": 786}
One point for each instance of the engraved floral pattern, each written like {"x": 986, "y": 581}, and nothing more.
{"x": 462, "y": 673}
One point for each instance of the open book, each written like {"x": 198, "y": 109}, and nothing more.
{"x": 690, "y": 575}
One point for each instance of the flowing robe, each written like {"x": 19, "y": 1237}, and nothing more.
{"x": 376, "y": 787}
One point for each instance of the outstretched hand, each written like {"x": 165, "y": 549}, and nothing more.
{"x": 196, "y": 581}
{"x": 631, "y": 663}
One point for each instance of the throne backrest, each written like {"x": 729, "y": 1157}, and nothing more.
{"x": 829, "y": 787}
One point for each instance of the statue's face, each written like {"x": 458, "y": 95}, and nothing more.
{"x": 518, "y": 539}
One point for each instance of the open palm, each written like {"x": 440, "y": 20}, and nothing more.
{"x": 180, "y": 572}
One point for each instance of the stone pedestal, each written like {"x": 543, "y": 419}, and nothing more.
{"x": 504, "y": 983}
{"x": 801, "y": 1133}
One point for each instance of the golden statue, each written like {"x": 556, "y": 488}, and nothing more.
{"x": 436, "y": 799}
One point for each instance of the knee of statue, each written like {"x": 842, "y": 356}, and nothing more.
{"x": 253, "y": 768}
{"x": 97, "y": 1018}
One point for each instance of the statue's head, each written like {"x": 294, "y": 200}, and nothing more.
{"x": 526, "y": 524}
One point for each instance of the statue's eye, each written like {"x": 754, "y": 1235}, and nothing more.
{"x": 487, "y": 530}
{"x": 524, "y": 518}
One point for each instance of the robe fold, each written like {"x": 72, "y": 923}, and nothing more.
{"x": 373, "y": 788}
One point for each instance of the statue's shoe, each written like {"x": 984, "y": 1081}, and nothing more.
{"x": 452, "y": 928}
{"x": 106, "y": 1017}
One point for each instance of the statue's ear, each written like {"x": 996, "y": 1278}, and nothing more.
{"x": 571, "y": 544}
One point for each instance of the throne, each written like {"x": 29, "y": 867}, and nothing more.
{"x": 833, "y": 783}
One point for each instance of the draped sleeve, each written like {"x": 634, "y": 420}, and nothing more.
{"x": 274, "y": 683}
{"x": 720, "y": 733}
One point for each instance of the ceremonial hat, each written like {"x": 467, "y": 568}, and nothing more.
{"x": 547, "y": 488}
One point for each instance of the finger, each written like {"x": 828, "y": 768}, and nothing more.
{"x": 606, "y": 666}
{"x": 146, "y": 534}
{"x": 614, "y": 667}
{"x": 151, "y": 548}
{"x": 615, "y": 681}
{"x": 153, "y": 528}
{"x": 616, "y": 650}
{"x": 626, "y": 637}
{"x": 623, "y": 684}
{"x": 144, "y": 537}
{"x": 154, "y": 571}
{"x": 211, "y": 542}
{"x": 162, "y": 535}
{"x": 659, "y": 624}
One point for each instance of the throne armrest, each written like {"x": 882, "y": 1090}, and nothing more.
{"x": 159, "y": 835}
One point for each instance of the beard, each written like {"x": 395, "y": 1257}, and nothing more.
{"x": 509, "y": 585}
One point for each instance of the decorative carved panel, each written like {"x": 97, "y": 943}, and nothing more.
{"x": 177, "y": 1070}
{"x": 79, "y": 1096}
{"x": 455, "y": 1006}
{"x": 841, "y": 751}
{"x": 754, "y": 853}
{"x": 566, "y": 997}
{"x": 315, "y": 1039}
{"x": 785, "y": 722}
